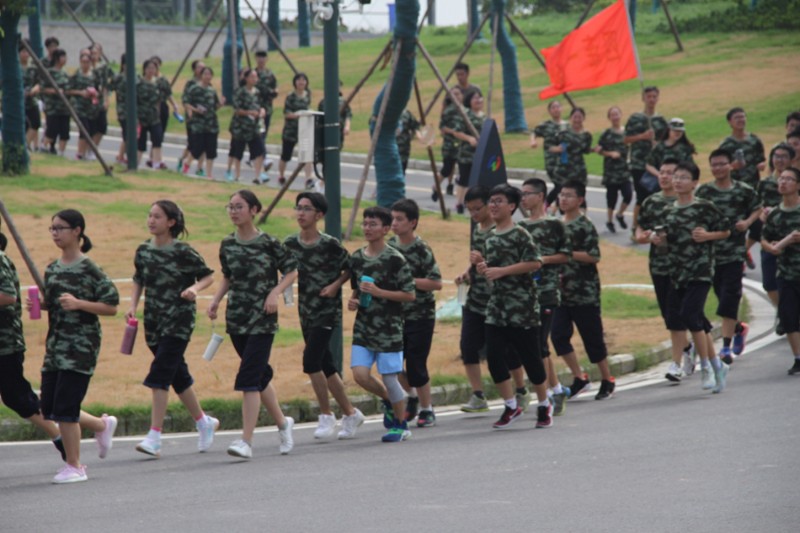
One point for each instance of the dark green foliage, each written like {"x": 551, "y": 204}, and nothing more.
{"x": 767, "y": 15}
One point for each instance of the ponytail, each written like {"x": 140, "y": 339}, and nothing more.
{"x": 87, "y": 243}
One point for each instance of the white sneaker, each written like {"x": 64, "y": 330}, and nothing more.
{"x": 326, "y": 427}
{"x": 350, "y": 424}
{"x": 70, "y": 474}
{"x": 150, "y": 447}
{"x": 674, "y": 372}
{"x": 105, "y": 438}
{"x": 688, "y": 360}
{"x": 709, "y": 381}
{"x": 240, "y": 448}
{"x": 206, "y": 429}
{"x": 287, "y": 442}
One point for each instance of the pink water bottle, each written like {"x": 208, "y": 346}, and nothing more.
{"x": 36, "y": 304}
{"x": 129, "y": 337}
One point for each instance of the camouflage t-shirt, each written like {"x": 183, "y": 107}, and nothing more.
{"x": 639, "y": 123}
{"x": 466, "y": 151}
{"x": 651, "y": 216}
{"x": 578, "y": 144}
{"x": 73, "y": 337}
{"x": 423, "y": 265}
{"x": 203, "y": 97}
{"x": 379, "y": 327}
{"x": 266, "y": 85}
{"x": 148, "y": 100}
{"x": 615, "y": 171}
{"x": 30, "y": 77}
{"x": 550, "y": 235}
{"x": 479, "y": 291}
{"x": 781, "y": 221}
{"x": 188, "y": 88}
{"x": 164, "y": 272}
{"x": 580, "y": 282}
{"x": 406, "y": 128}
{"x": 512, "y": 302}
{"x": 13, "y": 341}
{"x": 768, "y": 192}
{"x": 119, "y": 86}
{"x": 245, "y": 128}
{"x": 736, "y": 203}
{"x": 252, "y": 269}
{"x": 294, "y": 103}
{"x": 83, "y": 106}
{"x": 679, "y": 151}
{"x": 103, "y": 81}
{"x": 753, "y": 150}
{"x": 548, "y": 130}
{"x": 689, "y": 260}
{"x": 318, "y": 265}
{"x": 452, "y": 119}
{"x": 164, "y": 88}
{"x": 53, "y": 106}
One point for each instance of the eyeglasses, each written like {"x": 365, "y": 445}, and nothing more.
{"x": 497, "y": 201}
{"x": 305, "y": 209}
{"x": 786, "y": 179}
{"x": 56, "y": 229}
{"x": 780, "y": 156}
{"x": 371, "y": 225}
{"x": 235, "y": 208}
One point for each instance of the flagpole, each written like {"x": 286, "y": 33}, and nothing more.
{"x": 633, "y": 42}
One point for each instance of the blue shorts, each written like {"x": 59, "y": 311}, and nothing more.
{"x": 388, "y": 362}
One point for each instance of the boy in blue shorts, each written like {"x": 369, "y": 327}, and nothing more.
{"x": 382, "y": 282}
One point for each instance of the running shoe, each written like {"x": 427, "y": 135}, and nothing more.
{"x": 721, "y": 376}
{"x": 560, "y": 401}
{"x": 105, "y": 438}
{"x": 621, "y": 221}
{"x": 475, "y": 405}
{"x": 228, "y": 175}
{"x": 709, "y": 381}
{"x": 460, "y": 209}
{"x": 326, "y": 427}
{"x": 70, "y": 474}
{"x": 449, "y": 189}
{"x": 200, "y": 173}
{"x": 281, "y": 180}
{"x": 206, "y": 428}
{"x": 726, "y": 356}
{"x": 185, "y": 168}
{"x": 579, "y": 386}
{"x": 240, "y": 448}
{"x": 268, "y": 164}
{"x": 740, "y": 338}
{"x": 434, "y": 194}
{"x": 350, "y": 423}
{"x": 309, "y": 184}
{"x": 426, "y": 419}
{"x": 748, "y": 259}
{"x": 508, "y": 417}
{"x": 544, "y": 416}
{"x": 611, "y": 228}
{"x": 523, "y": 400}
{"x": 285, "y": 434}
{"x": 606, "y": 389}
{"x": 688, "y": 360}
{"x": 150, "y": 447}
{"x": 792, "y": 371}
{"x": 388, "y": 414}
{"x": 397, "y": 433}
{"x": 674, "y": 372}
{"x": 412, "y": 406}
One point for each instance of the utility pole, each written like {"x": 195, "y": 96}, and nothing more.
{"x": 130, "y": 87}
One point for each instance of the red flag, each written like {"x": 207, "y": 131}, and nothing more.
{"x": 601, "y": 52}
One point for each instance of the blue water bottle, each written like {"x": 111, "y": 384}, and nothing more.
{"x": 364, "y": 299}
{"x": 564, "y": 154}
{"x": 178, "y": 116}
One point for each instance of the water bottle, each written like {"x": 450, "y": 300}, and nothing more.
{"x": 129, "y": 337}
{"x": 178, "y": 116}
{"x": 463, "y": 292}
{"x": 36, "y": 304}
{"x": 738, "y": 155}
{"x": 564, "y": 155}
{"x": 364, "y": 299}
{"x": 213, "y": 346}
{"x": 288, "y": 296}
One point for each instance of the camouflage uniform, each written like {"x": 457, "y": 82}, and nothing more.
{"x": 242, "y": 127}
{"x": 200, "y": 96}
{"x": 578, "y": 144}
{"x": 736, "y": 203}
{"x": 651, "y": 216}
{"x": 10, "y": 315}
{"x": 548, "y": 130}
{"x": 465, "y": 150}
{"x": 83, "y": 106}
{"x": 148, "y": 101}
{"x": 164, "y": 88}
{"x": 680, "y": 151}
{"x": 405, "y": 134}
{"x": 753, "y": 151}
{"x": 267, "y": 84}
{"x": 513, "y": 301}
{"x": 73, "y": 337}
{"x": 768, "y": 191}
{"x": 52, "y": 102}
{"x": 639, "y": 123}
{"x": 294, "y": 104}
{"x": 451, "y": 118}
{"x": 164, "y": 272}
{"x": 615, "y": 171}
{"x": 119, "y": 86}
{"x": 580, "y": 282}
{"x": 422, "y": 263}
{"x": 30, "y": 77}
{"x": 103, "y": 81}
{"x": 550, "y": 235}
{"x": 318, "y": 265}
{"x": 379, "y": 327}
{"x": 479, "y": 290}
{"x": 692, "y": 261}
{"x": 252, "y": 269}
{"x": 781, "y": 221}
{"x": 188, "y": 88}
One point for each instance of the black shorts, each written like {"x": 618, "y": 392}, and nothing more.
{"x": 123, "y": 125}
{"x": 507, "y": 347}
{"x": 686, "y": 306}
{"x": 99, "y": 124}
{"x": 789, "y": 304}
{"x": 169, "y": 367}
{"x": 417, "y": 340}
{"x": 87, "y": 125}
{"x": 163, "y": 115}
{"x": 33, "y": 118}
{"x": 317, "y": 355}
{"x": 769, "y": 271}
{"x": 464, "y": 170}
{"x": 267, "y": 120}
{"x": 15, "y": 391}
{"x": 612, "y": 191}
{"x": 254, "y": 145}
{"x": 546, "y": 317}
{"x": 203, "y": 143}
{"x": 254, "y": 371}
{"x": 590, "y": 327}
{"x": 662, "y": 286}
{"x": 156, "y": 136}
{"x": 728, "y": 288}
{"x": 448, "y": 165}
{"x": 63, "y": 392}
{"x": 287, "y": 149}
{"x": 57, "y": 127}
{"x": 473, "y": 336}
{"x": 754, "y": 232}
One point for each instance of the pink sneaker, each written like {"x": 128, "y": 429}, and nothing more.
{"x": 70, "y": 474}
{"x": 105, "y": 438}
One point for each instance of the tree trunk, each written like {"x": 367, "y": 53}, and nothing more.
{"x": 474, "y": 18}
{"x": 35, "y": 27}
{"x": 512, "y": 96}
{"x": 303, "y": 24}
{"x": 230, "y": 82}
{"x": 15, "y": 153}
{"x": 274, "y": 23}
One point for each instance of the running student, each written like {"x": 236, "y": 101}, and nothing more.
{"x": 55, "y": 110}
{"x": 247, "y": 114}
{"x": 323, "y": 267}
{"x": 782, "y": 238}
{"x": 297, "y": 100}
{"x": 739, "y": 203}
{"x": 170, "y": 273}
{"x": 197, "y": 74}
{"x": 469, "y": 143}
{"x": 76, "y": 292}
{"x": 267, "y": 91}
{"x": 201, "y": 106}
{"x": 572, "y": 144}
{"x": 580, "y": 296}
{"x": 250, "y": 262}
{"x": 548, "y": 131}
{"x": 676, "y": 146}
{"x": 31, "y": 86}
{"x": 550, "y": 236}
{"x": 691, "y": 228}
{"x": 148, "y": 101}
{"x": 382, "y": 282}
{"x": 616, "y": 174}
{"x": 448, "y": 124}
{"x": 512, "y": 314}
{"x": 419, "y": 316}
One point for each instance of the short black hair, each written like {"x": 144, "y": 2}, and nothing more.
{"x": 478, "y": 192}
{"x": 261, "y": 53}
{"x": 409, "y": 208}
{"x": 689, "y": 167}
{"x": 538, "y": 184}
{"x": 719, "y": 152}
{"x": 794, "y": 133}
{"x": 461, "y": 66}
{"x": 317, "y": 199}
{"x": 51, "y": 41}
{"x": 249, "y": 198}
{"x": 512, "y": 194}
{"x": 470, "y": 97}
{"x": 651, "y": 89}
{"x": 379, "y": 212}
{"x": 578, "y": 186}
{"x": 670, "y": 161}
{"x": 58, "y": 53}
{"x": 794, "y": 115}
{"x": 782, "y": 146}
{"x": 732, "y": 111}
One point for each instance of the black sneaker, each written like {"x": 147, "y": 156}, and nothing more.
{"x": 796, "y": 368}
{"x": 621, "y": 221}
{"x": 544, "y": 416}
{"x": 434, "y": 195}
{"x": 412, "y": 406}
{"x": 309, "y": 184}
{"x": 507, "y": 418}
{"x": 460, "y": 209}
{"x": 611, "y": 228}
{"x": 426, "y": 419}
{"x": 449, "y": 189}
{"x": 606, "y": 389}
{"x": 579, "y": 385}
{"x": 59, "y": 444}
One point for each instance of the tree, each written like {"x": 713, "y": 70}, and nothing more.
{"x": 15, "y": 153}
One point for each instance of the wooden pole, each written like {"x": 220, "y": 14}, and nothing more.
{"x": 246, "y": 49}
{"x": 83, "y": 29}
{"x": 271, "y": 35}
{"x": 535, "y": 52}
{"x": 436, "y": 183}
{"x": 216, "y": 36}
{"x": 196, "y": 41}
{"x": 281, "y": 192}
{"x": 46, "y": 75}
{"x": 23, "y": 250}
{"x": 354, "y": 92}
{"x": 375, "y": 134}
{"x": 585, "y": 13}
{"x": 495, "y": 27}
{"x": 672, "y": 25}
